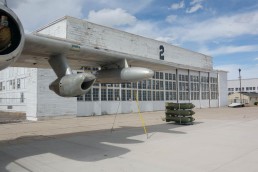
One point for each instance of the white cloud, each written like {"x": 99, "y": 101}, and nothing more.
{"x": 196, "y": 2}
{"x": 194, "y": 8}
{"x": 230, "y": 50}
{"x": 256, "y": 59}
{"x": 37, "y": 13}
{"x": 177, "y": 6}
{"x": 218, "y": 28}
{"x": 247, "y": 71}
{"x": 195, "y": 5}
{"x": 131, "y": 6}
{"x": 171, "y": 18}
{"x": 145, "y": 28}
{"x": 109, "y": 17}
{"x": 165, "y": 39}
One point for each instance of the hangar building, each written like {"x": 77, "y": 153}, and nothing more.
{"x": 191, "y": 78}
{"x": 248, "y": 85}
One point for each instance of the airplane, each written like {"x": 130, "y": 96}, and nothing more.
{"x": 41, "y": 51}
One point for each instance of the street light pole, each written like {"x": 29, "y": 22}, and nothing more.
{"x": 240, "y": 85}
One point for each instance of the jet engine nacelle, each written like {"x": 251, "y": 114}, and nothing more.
{"x": 12, "y": 37}
{"x": 73, "y": 85}
{"x": 131, "y": 74}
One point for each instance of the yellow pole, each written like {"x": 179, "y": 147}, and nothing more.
{"x": 140, "y": 115}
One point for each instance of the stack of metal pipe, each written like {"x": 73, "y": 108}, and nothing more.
{"x": 181, "y": 113}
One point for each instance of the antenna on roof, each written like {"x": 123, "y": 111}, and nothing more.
{"x": 5, "y": 3}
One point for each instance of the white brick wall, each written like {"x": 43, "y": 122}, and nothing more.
{"x": 48, "y": 103}
{"x": 107, "y": 38}
{"x": 223, "y": 85}
{"x": 10, "y": 93}
{"x": 31, "y": 96}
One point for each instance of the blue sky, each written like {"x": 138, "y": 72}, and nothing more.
{"x": 227, "y": 30}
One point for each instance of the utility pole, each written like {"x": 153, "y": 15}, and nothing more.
{"x": 240, "y": 85}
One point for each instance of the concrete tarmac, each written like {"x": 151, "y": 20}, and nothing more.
{"x": 221, "y": 140}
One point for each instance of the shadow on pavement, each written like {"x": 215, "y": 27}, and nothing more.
{"x": 87, "y": 146}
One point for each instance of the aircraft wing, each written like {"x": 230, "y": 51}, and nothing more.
{"x": 38, "y": 48}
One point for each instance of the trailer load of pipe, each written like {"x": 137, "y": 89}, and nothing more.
{"x": 180, "y": 113}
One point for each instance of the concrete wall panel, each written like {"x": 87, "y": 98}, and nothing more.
{"x": 112, "y": 39}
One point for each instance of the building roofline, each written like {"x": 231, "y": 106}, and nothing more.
{"x": 218, "y": 70}
{"x": 242, "y": 79}
{"x": 50, "y": 24}
{"x": 66, "y": 17}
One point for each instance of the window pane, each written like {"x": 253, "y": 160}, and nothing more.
{"x": 95, "y": 94}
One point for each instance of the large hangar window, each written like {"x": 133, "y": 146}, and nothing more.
{"x": 134, "y": 91}
{"x": 195, "y": 87}
{"x": 123, "y": 96}
{"x": 80, "y": 98}
{"x": 110, "y": 94}
{"x": 214, "y": 88}
{"x": 170, "y": 86}
{"x": 126, "y": 91}
{"x": 91, "y": 95}
{"x": 103, "y": 92}
{"x": 143, "y": 88}
{"x": 183, "y": 87}
{"x": 205, "y": 87}
{"x": 95, "y": 94}
{"x": 117, "y": 94}
{"x": 88, "y": 95}
{"x": 129, "y": 95}
{"x": 158, "y": 86}
{"x": 163, "y": 86}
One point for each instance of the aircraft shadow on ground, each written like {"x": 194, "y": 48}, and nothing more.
{"x": 89, "y": 146}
